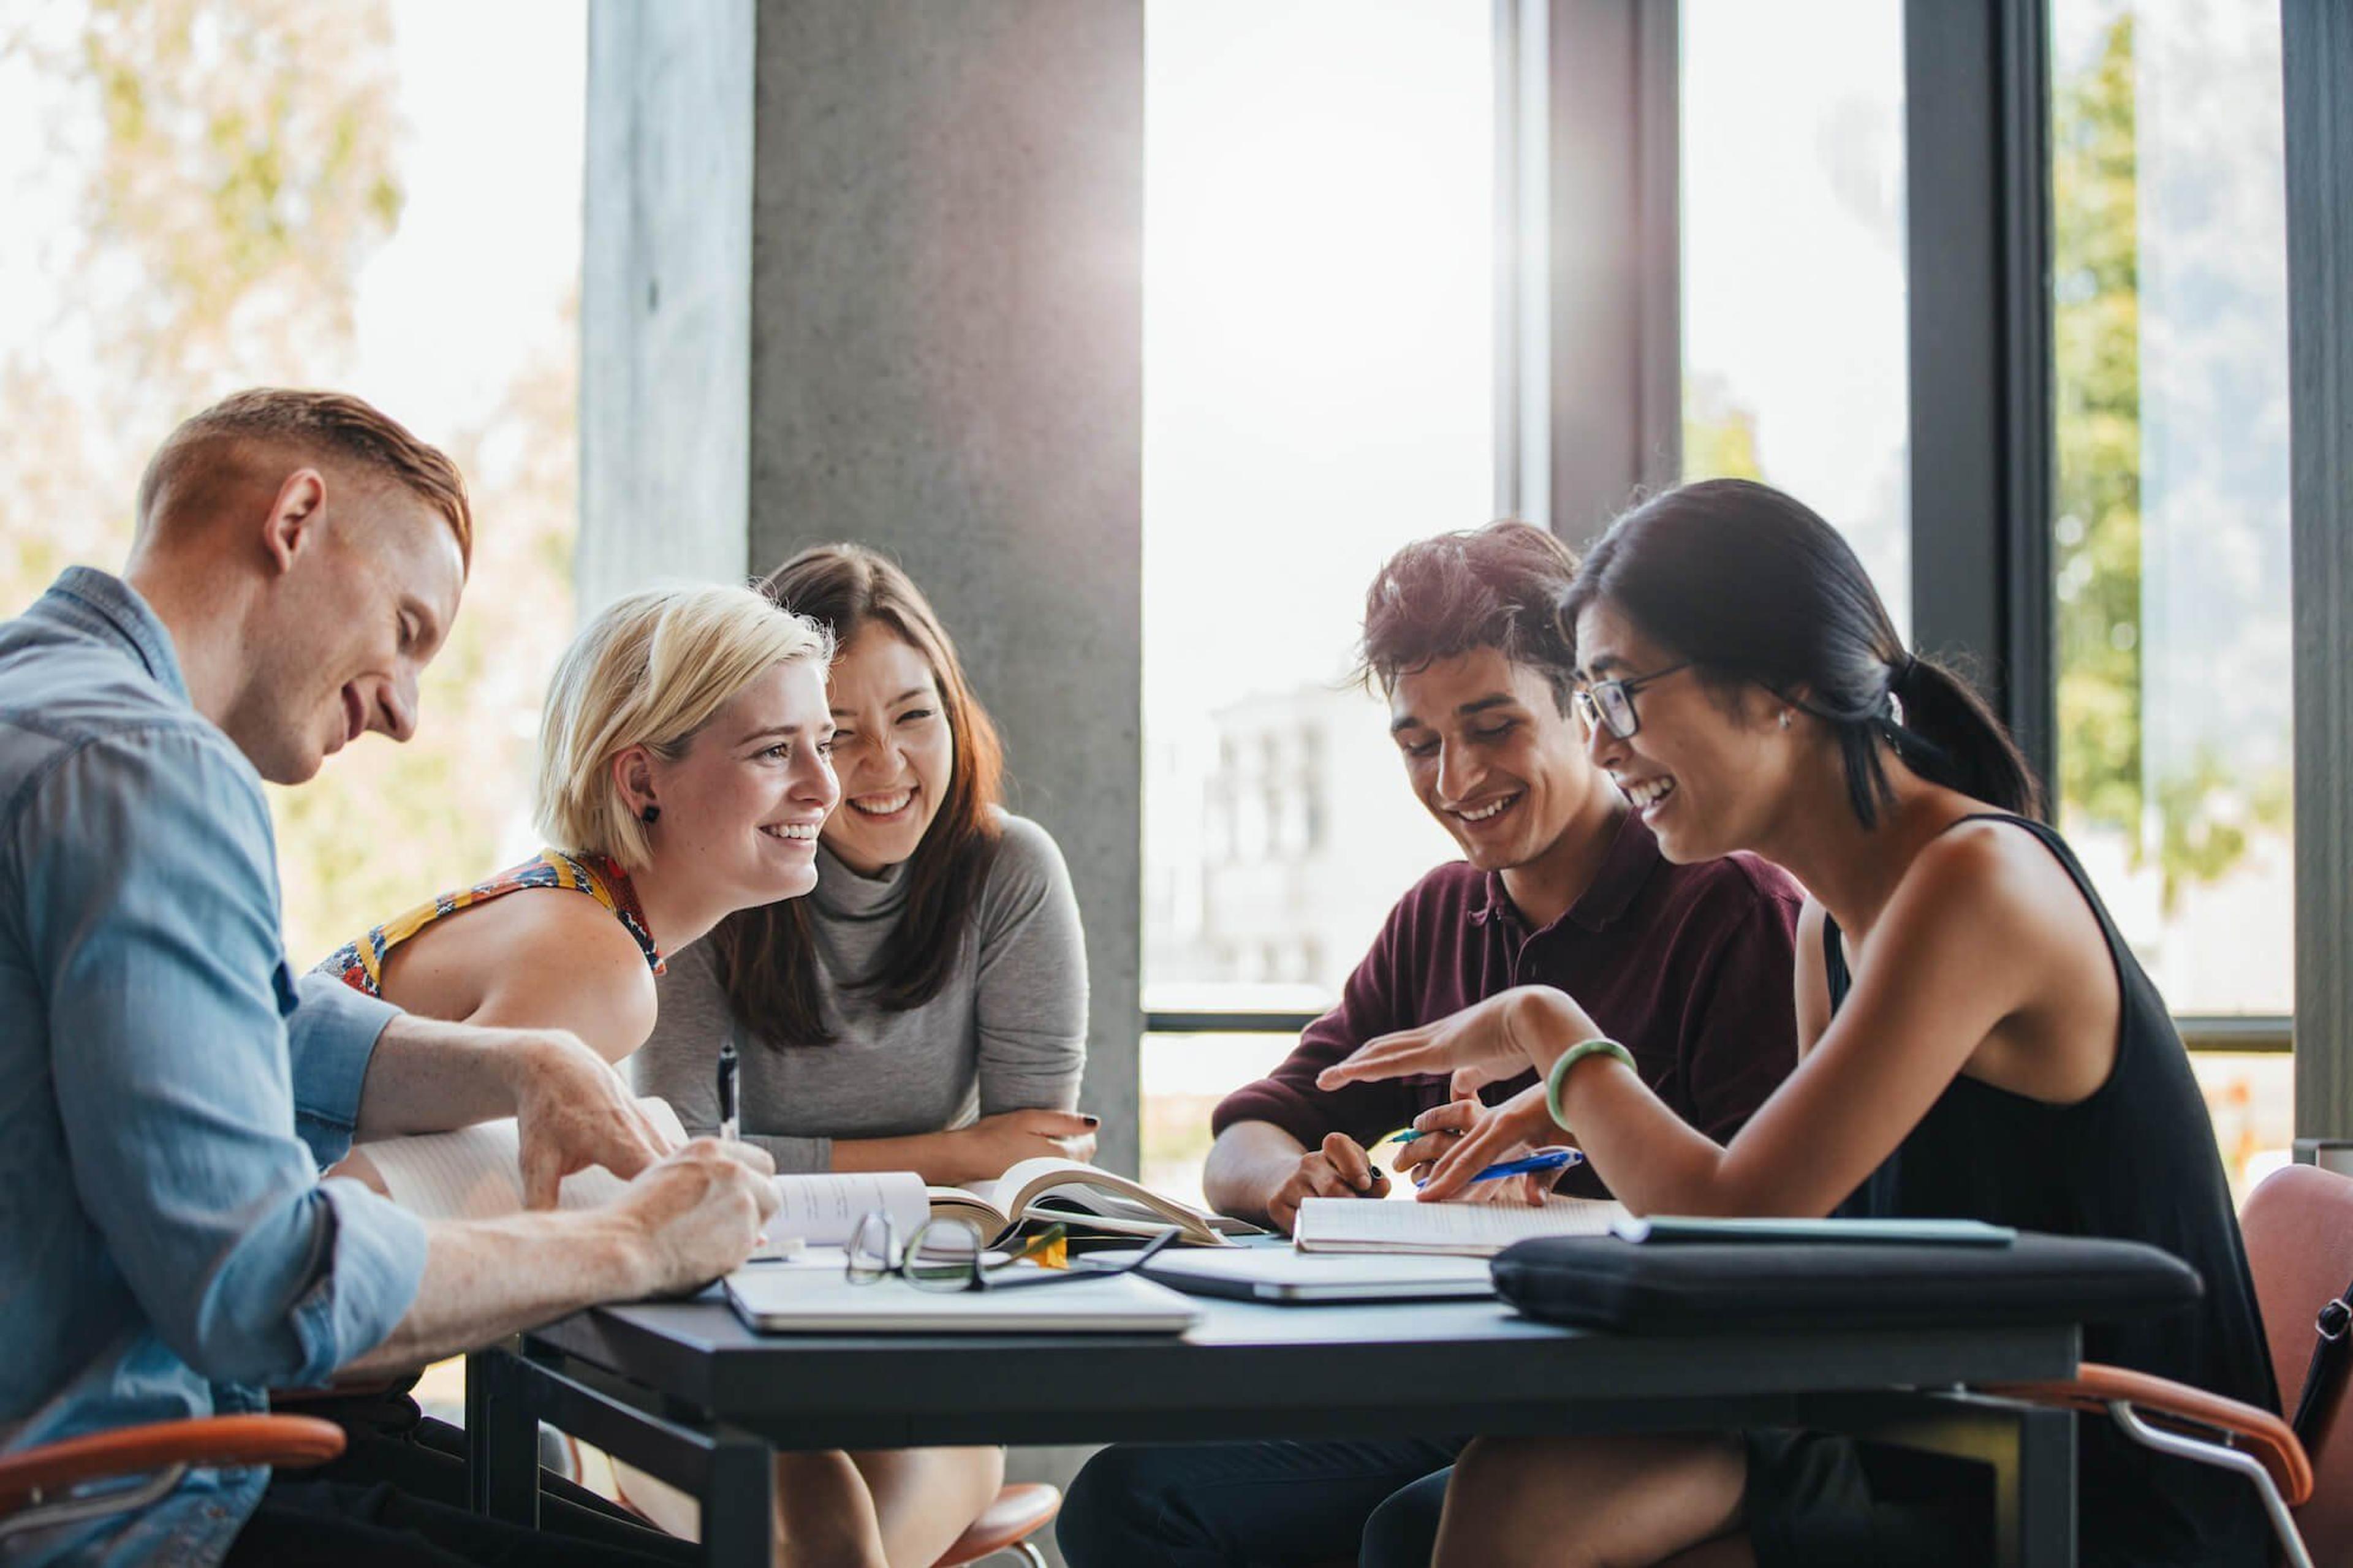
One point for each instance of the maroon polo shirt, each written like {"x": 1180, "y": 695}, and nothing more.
{"x": 1690, "y": 967}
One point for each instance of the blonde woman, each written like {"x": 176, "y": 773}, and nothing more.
{"x": 683, "y": 774}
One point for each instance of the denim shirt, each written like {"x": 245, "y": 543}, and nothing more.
{"x": 168, "y": 1091}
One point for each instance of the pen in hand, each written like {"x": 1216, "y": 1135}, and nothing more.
{"x": 729, "y": 1066}
{"x": 1541, "y": 1159}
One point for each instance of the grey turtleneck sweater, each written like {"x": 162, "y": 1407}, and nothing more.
{"x": 1006, "y": 1032}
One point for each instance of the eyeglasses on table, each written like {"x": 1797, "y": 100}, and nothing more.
{"x": 948, "y": 1255}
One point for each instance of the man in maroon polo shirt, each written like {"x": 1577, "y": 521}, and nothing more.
{"x": 1561, "y": 884}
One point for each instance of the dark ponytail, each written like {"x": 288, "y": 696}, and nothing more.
{"x": 1751, "y": 586}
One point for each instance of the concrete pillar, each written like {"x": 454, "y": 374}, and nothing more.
{"x": 946, "y": 361}
{"x": 666, "y": 297}
{"x": 871, "y": 269}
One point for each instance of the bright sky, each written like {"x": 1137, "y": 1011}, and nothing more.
{"x": 488, "y": 251}
{"x": 1318, "y": 298}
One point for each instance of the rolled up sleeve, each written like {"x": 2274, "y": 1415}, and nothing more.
{"x": 168, "y": 1009}
{"x": 330, "y": 1037}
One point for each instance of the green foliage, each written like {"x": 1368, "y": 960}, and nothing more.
{"x": 235, "y": 164}
{"x": 2196, "y": 824}
{"x": 2095, "y": 270}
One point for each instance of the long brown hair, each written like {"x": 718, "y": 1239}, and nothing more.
{"x": 767, "y": 956}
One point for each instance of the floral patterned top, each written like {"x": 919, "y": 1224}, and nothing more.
{"x": 360, "y": 964}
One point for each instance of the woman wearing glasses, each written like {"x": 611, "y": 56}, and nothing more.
{"x": 1976, "y": 1041}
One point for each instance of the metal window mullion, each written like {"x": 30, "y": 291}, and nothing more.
{"x": 1977, "y": 178}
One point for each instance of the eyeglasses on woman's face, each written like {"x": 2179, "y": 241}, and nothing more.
{"x": 1610, "y": 704}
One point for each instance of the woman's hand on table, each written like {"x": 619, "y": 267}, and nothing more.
{"x": 994, "y": 1144}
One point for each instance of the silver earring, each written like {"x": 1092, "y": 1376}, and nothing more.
{"x": 1784, "y": 718}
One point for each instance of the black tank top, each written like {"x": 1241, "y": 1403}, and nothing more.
{"x": 2135, "y": 1161}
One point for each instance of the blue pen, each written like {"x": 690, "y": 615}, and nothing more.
{"x": 1550, "y": 1160}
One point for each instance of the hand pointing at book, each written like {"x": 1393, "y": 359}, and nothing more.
{"x": 573, "y": 1111}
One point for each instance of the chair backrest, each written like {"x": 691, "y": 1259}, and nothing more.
{"x": 2299, "y": 1229}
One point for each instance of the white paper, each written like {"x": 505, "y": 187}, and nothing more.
{"x": 475, "y": 1172}
{"x": 825, "y": 1208}
{"x": 1369, "y": 1225}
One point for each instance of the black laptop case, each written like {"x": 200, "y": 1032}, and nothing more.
{"x": 1740, "y": 1286}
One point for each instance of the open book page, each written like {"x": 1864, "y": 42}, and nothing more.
{"x": 824, "y": 1208}
{"x": 1104, "y": 1199}
{"x": 475, "y": 1172}
{"x": 963, "y": 1203}
{"x": 1467, "y": 1230}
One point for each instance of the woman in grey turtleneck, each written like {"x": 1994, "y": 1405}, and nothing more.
{"x": 925, "y": 1007}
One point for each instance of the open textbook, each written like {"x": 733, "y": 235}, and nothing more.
{"x": 474, "y": 1172}
{"x": 1085, "y": 1197}
{"x": 1466, "y": 1230}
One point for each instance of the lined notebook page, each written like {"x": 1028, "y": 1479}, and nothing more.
{"x": 474, "y": 1172}
{"x": 824, "y": 1208}
{"x": 1468, "y": 1230}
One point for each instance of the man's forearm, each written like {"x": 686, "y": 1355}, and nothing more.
{"x": 1249, "y": 1161}
{"x": 487, "y": 1279}
{"x": 428, "y": 1076}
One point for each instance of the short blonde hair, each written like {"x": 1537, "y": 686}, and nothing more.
{"x": 649, "y": 670}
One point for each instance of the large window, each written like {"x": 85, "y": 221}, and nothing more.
{"x": 1793, "y": 263}
{"x": 2170, "y": 530}
{"x": 209, "y": 194}
{"x": 1318, "y": 342}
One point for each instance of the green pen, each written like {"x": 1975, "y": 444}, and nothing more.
{"x": 1408, "y": 1136}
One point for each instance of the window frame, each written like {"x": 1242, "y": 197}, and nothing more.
{"x": 1588, "y": 337}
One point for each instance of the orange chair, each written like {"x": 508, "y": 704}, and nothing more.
{"x": 1020, "y": 1511}
{"x": 41, "y": 1487}
{"x": 2299, "y": 1233}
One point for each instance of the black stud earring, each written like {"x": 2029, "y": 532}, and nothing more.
{"x": 650, "y": 816}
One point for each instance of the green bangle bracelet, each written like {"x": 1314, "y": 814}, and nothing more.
{"x": 1569, "y": 1059}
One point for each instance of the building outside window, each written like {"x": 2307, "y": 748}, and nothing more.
{"x": 1318, "y": 328}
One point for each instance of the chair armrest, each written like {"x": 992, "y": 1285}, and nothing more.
{"x": 52, "y": 1468}
{"x": 2258, "y": 1432}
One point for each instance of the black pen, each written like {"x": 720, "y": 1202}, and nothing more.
{"x": 728, "y": 1068}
